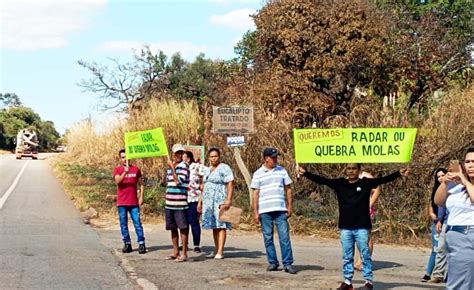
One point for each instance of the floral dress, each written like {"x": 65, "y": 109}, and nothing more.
{"x": 215, "y": 193}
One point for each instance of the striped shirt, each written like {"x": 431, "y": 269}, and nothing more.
{"x": 271, "y": 183}
{"x": 177, "y": 193}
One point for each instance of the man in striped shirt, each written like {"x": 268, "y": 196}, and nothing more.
{"x": 176, "y": 204}
{"x": 271, "y": 184}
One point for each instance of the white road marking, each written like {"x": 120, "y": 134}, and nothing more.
{"x": 12, "y": 186}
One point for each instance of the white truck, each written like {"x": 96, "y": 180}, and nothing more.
{"x": 26, "y": 144}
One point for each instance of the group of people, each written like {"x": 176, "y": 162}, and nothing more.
{"x": 193, "y": 193}
{"x": 194, "y": 190}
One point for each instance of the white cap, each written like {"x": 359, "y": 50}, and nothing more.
{"x": 177, "y": 147}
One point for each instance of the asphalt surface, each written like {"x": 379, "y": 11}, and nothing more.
{"x": 318, "y": 260}
{"x": 43, "y": 242}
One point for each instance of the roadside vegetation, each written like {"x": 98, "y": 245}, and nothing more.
{"x": 308, "y": 63}
{"x": 14, "y": 117}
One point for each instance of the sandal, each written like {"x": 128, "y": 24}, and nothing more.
{"x": 181, "y": 259}
{"x": 171, "y": 257}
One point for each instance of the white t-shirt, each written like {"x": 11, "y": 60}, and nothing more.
{"x": 460, "y": 207}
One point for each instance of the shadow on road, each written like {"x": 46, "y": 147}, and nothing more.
{"x": 401, "y": 285}
{"x": 302, "y": 268}
{"x": 159, "y": 248}
{"x": 232, "y": 252}
{"x": 377, "y": 265}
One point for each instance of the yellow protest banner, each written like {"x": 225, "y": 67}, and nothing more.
{"x": 148, "y": 143}
{"x": 362, "y": 145}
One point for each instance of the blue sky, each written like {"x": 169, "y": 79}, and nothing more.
{"x": 42, "y": 40}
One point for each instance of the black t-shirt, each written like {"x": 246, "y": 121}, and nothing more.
{"x": 353, "y": 198}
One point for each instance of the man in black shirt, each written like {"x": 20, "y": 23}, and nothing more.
{"x": 353, "y": 195}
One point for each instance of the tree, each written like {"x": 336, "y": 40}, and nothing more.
{"x": 247, "y": 49}
{"x": 47, "y": 135}
{"x": 313, "y": 54}
{"x": 9, "y": 99}
{"x": 129, "y": 86}
{"x": 126, "y": 84}
{"x": 432, "y": 41}
{"x": 13, "y": 119}
{"x": 196, "y": 80}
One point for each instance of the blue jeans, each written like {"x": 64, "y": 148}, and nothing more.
{"x": 193, "y": 220}
{"x": 280, "y": 219}
{"x": 434, "y": 245}
{"x": 135, "y": 215}
{"x": 348, "y": 240}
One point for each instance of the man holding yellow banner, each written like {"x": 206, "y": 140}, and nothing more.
{"x": 353, "y": 195}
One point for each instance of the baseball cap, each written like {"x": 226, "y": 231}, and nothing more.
{"x": 272, "y": 152}
{"x": 177, "y": 147}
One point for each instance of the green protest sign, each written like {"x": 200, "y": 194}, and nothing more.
{"x": 363, "y": 145}
{"x": 148, "y": 143}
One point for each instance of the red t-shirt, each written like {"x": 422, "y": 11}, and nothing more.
{"x": 127, "y": 189}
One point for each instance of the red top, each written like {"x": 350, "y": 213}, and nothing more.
{"x": 127, "y": 189}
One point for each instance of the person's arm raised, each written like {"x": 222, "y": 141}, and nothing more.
{"x": 391, "y": 177}
{"x": 459, "y": 177}
{"x": 314, "y": 177}
{"x": 120, "y": 177}
{"x": 442, "y": 192}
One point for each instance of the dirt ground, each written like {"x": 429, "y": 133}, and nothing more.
{"x": 318, "y": 261}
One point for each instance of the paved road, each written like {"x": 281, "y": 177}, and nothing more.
{"x": 43, "y": 242}
{"x": 317, "y": 259}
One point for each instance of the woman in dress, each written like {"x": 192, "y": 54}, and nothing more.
{"x": 217, "y": 194}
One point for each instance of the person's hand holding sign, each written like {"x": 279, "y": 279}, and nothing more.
{"x": 171, "y": 164}
{"x": 300, "y": 170}
{"x": 405, "y": 172}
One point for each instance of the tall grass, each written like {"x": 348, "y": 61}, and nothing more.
{"x": 180, "y": 120}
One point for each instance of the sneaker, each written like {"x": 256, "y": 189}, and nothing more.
{"x": 345, "y": 286}
{"x": 197, "y": 250}
{"x": 367, "y": 286}
{"x": 272, "y": 267}
{"x": 425, "y": 278}
{"x": 142, "y": 249}
{"x": 290, "y": 269}
{"x": 436, "y": 280}
{"x": 127, "y": 248}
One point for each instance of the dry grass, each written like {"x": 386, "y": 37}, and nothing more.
{"x": 180, "y": 120}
